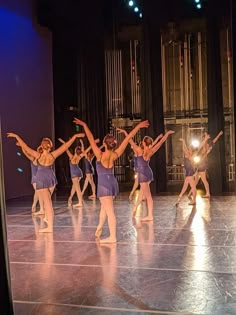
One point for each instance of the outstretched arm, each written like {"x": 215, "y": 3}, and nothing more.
{"x": 159, "y": 143}
{"x": 23, "y": 145}
{"x": 157, "y": 139}
{"x": 185, "y": 149}
{"x": 84, "y": 152}
{"x": 70, "y": 155}
{"x": 82, "y": 145}
{"x": 217, "y": 137}
{"x": 65, "y": 146}
{"x": 134, "y": 146}
{"x": 124, "y": 143}
{"x": 90, "y": 137}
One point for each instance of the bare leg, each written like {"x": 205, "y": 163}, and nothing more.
{"x": 102, "y": 220}
{"x": 196, "y": 180}
{"x": 184, "y": 188}
{"x": 147, "y": 194}
{"x": 91, "y": 182}
{"x": 85, "y": 184}
{"x": 35, "y": 199}
{"x": 135, "y": 186}
{"x": 107, "y": 204}
{"x": 76, "y": 185}
{"x": 206, "y": 184}
{"x": 72, "y": 192}
{"x": 138, "y": 202}
{"x": 47, "y": 201}
{"x": 193, "y": 188}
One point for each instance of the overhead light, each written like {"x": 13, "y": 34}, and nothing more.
{"x": 131, "y": 3}
{"x": 136, "y": 9}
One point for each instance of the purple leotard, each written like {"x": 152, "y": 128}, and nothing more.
{"x": 107, "y": 183}
{"x": 189, "y": 169}
{"x": 88, "y": 167}
{"x": 144, "y": 171}
{"x": 45, "y": 177}
{"x": 34, "y": 169}
{"x": 75, "y": 170}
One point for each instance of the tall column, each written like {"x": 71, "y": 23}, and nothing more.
{"x": 217, "y": 167}
{"x": 152, "y": 98}
{"x": 233, "y": 38}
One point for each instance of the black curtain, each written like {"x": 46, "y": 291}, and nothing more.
{"x": 217, "y": 166}
{"x": 6, "y": 304}
{"x": 233, "y": 38}
{"x": 152, "y": 98}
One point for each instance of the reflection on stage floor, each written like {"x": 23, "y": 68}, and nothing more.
{"x": 184, "y": 262}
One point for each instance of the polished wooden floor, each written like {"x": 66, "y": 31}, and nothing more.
{"x": 184, "y": 262}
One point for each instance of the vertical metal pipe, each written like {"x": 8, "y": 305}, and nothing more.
{"x": 199, "y": 42}
{"x": 181, "y": 78}
{"x": 186, "y": 76}
{"x": 163, "y": 63}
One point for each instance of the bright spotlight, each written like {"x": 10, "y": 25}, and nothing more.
{"x": 195, "y": 143}
{"x": 136, "y": 9}
{"x": 131, "y": 3}
{"x": 196, "y": 159}
{"x": 199, "y": 6}
{"x": 140, "y": 15}
{"x": 197, "y": 1}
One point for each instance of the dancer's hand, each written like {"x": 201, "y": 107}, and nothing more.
{"x": 170, "y": 132}
{"x": 97, "y": 140}
{"x": 122, "y": 131}
{"x": 79, "y": 122}
{"x": 12, "y": 135}
{"x": 143, "y": 124}
{"x": 60, "y": 140}
{"x": 221, "y": 133}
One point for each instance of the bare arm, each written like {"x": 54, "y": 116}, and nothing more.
{"x": 124, "y": 143}
{"x": 70, "y": 155}
{"x": 134, "y": 146}
{"x": 90, "y": 137}
{"x": 82, "y": 145}
{"x": 30, "y": 157}
{"x": 185, "y": 149}
{"x": 217, "y": 137}
{"x": 66, "y": 145}
{"x": 23, "y": 145}
{"x": 84, "y": 153}
{"x": 159, "y": 143}
{"x": 157, "y": 139}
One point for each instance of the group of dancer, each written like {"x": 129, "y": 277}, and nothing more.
{"x": 44, "y": 179}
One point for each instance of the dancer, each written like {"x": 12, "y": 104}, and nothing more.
{"x": 189, "y": 166}
{"x": 76, "y": 172}
{"x": 145, "y": 176}
{"x": 45, "y": 177}
{"x": 34, "y": 168}
{"x": 136, "y": 182}
{"x": 89, "y": 172}
{"x": 202, "y": 167}
{"x": 107, "y": 187}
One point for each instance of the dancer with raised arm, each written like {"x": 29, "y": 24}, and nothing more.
{"x": 202, "y": 167}
{"x": 45, "y": 176}
{"x": 34, "y": 168}
{"x": 89, "y": 172}
{"x": 145, "y": 176}
{"x": 76, "y": 172}
{"x": 189, "y": 167}
{"x": 136, "y": 181}
{"x": 107, "y": 187}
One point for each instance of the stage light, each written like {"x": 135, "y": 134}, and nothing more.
{"x": 195, "y": 143}
{"x": 131, "y": 3}
{"x": 136, "y": 9}
{"x": 140, "y": 15}
{"x": 197, "y": 1}
{"x": 19, "y": 170}
{"x": 18, "y": 153}
{"x": 196, "y": 159}
{"x": 199, "y": 6}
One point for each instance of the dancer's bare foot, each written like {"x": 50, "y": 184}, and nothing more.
{"x": 178, "y": 201}
{"x": 33, "y": 209}
{"x": 78, "y": 205}
{"x": 109, "y": 240}
{"x": 98, "y": 232}
{"x": 206, "y": 196}
{"x": 39, "y": 212}
{"x": 46, "y": 230}
{"x": 92, "y": 197}
{"x": 130, "y": 197}
{"x": 147, "y": 218}
{"x": 192, "y": 203}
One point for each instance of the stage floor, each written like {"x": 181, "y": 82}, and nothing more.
{"x": 184, "y": 262}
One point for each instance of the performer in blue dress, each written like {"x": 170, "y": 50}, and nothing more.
{"x": 107, "y": 187}
{"x": 89, "y": 172}
{"x": 145, "y": 176}
{"x": 45, "y": 176}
